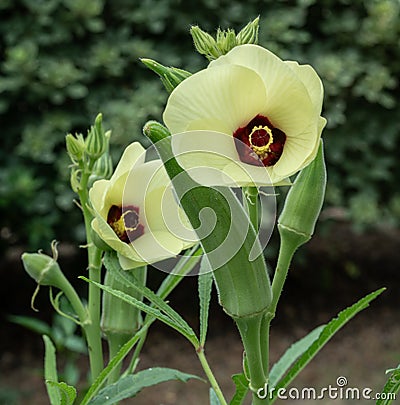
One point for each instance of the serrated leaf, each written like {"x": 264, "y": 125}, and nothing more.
{"x": 204, "y": 286}
{"x": 326, "y": 334}
{"x": 185, "y": 264}
{"x": 50, "y": 371}
{"x": 112, "y": 264}
{"x": 67, "y": 392}
{"x": 187, "y": 331}
{"x": 292, "y": 354}
{"x": 391, "y": 388}
{"x": 129, "y": 386}
{"x": 242, "y": 388}
{"x": 114, "y": 362}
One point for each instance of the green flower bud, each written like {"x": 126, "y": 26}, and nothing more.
{"x": 170, "y": 76}
{"x": 226, "y": 40}
{"x": 75, "y": 147}
{"x": 249, "y": 34}
{"x": 204, "y": 43}
{"x": 304, "y": 202}
{"x": 96, "y": 142}
{"x": 43, "y": 268}
{"x": 75, "y": 179}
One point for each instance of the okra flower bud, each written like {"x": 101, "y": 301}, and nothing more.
{"x": 169, "y": 76}
{"x": 43, "y": 268}
{"x": 75, "y": 147}
{"x": 204, "y": 43}
{"x": 304, "y": 202}
{"x": 96, "y": 141}
{"x": 248, "y": 34}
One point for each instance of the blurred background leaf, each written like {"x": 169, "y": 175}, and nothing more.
{"x": 63, "y": 61}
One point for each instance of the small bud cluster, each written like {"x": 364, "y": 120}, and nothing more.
{"x": 90, "y": 154}
{"x": 170, "y": 76}
{"x": 225, "y": 40}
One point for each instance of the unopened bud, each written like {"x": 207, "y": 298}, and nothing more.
{"x": 169, "y": 76}
{"x": 75, "y": 179}
{"x": 249, "y": 34}
{"x": 204, "y": 43}
{"x": 226, "y": 40}
{"x": 75, "y": 147}
{"x": 96, "y": 141}
{"x": 304, "y": 202}
{"x": 43, "y": 268}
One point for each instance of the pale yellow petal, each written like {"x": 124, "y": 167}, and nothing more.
{"x": 129, "y": 264}
{"x": 204, "y": 154}
{"x": 172, "y": 218}
{"x": 223, "y": 99}
{"x": 239, "y": 174}
{"x": 289, "y": 106}
{"x": 321, "y": 126}
{"x": 97, "y": 194}
{"x": 133, "y": 154}
{"x": 106, "y": 233}
{"x": 155, "y": 246}
{"x": 312, "y": 83}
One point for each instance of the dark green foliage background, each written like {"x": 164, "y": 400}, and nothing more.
{"x": 63, "y": 61}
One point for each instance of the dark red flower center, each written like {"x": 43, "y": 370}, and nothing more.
{"x": 260, "y": 141}
{"x": 125, "y": 222}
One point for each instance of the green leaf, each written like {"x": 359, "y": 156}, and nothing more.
{"x": 213, "y": 398}
{"x": 292, "y": 354}
{"x": 326, "y": 334}
{"x": 205, "y": 285}
{"x": 50, "y": 371}
{"x": 242, "y": 388}
{"x": 112, "y": 264}
{"x": 33, "y": 324}
{"x": 129, "y": 386}
{"x": 67, "y": 392}
{"x": 185, "y": 331}
{"x": 184, "y": 266}
{"x": 114, "y": 362}
{"x": 391, "y": 388}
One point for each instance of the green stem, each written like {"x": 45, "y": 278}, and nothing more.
{"x": 286, "y": 253}
{"x": 210, "y": 375}
{"x": 92, "y": 329}
{"x": 114, "y": 345}
{"x": 75, "y": 301}
{"x": 264, "y": 342}
{"x": 250, "y": 332}
{"x": 251, "y": 204}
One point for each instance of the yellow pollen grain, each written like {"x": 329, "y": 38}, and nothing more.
{"x": 261, "y": 151}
